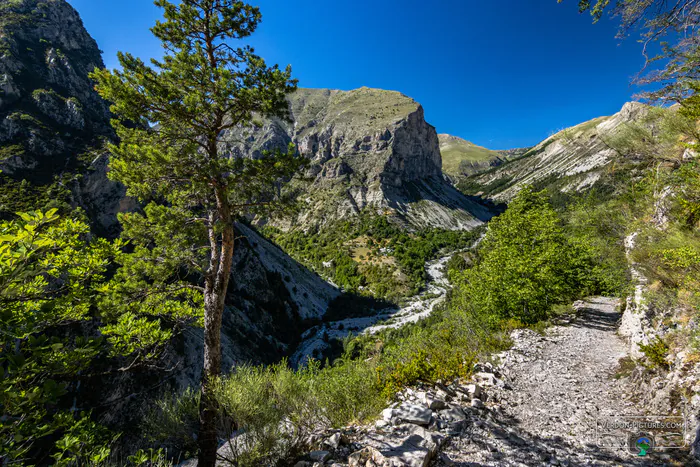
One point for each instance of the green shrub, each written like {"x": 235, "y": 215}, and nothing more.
{"x": 267, "y": 413}
{"x": 526, "y": 264}
{"x": 656, "y": 352}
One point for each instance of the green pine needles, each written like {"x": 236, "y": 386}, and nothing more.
{"x": 170, "y": 119}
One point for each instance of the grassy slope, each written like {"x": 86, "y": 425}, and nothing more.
{"x": 455, "y": 150}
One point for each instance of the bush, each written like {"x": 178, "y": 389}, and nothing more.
{"x": 268, "y": 413}
{"x": 526, "y": 264}
{"x": 656, "y": 352}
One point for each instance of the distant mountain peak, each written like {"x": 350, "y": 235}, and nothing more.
{"x": 461, "y": 158}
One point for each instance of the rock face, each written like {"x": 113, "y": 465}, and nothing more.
{"x": 368, "y": 149}
{"x": 52, "y": 122}
{"x": 48, "y": 107}
{"x": 571, "y": 160}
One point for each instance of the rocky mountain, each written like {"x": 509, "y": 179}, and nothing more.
{"x": 52, "y": 122}
{"x": 369, "y": 149}
{"x": 47, "y": 103}
{"x": 461, "y": 157}
{"x": 572, "y": 160}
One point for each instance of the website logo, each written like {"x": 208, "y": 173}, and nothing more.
{"x": 641, "y": 444}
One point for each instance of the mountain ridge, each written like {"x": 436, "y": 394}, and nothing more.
{"x": 368, "y": 149}
{"x": 462, "y": 158}
{"x": 572, "y": 160}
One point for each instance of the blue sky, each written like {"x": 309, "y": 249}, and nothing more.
{"x": 500, "y": 73}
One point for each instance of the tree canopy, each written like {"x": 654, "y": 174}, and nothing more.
{"x": 171, "y": 119}
{"x": 50, "y": 276}
{"x": 526, "y": 263}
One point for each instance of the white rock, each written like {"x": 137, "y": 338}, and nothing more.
{"x": 408, "y": 445}
{"x": 388, "y": 414}
{"x": 412, "y": 414}
{"x": 488, "y": 379}
{"x": 474, "y": 391}
{"x": 334, "y": 441}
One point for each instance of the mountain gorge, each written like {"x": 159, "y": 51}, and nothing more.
{"x": 423, "y": 301}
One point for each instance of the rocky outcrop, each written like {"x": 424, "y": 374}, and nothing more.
{"x": 635, "y": 325}
{"x": 572, "y": 160}
{"x": 49, "y": 109}
{"x": 52, "y": 122}
{"x": 368, "y": 149}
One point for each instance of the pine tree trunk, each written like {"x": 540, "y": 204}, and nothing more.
{"x": 214, "y": 299}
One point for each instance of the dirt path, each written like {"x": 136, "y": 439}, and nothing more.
{"x": 554, "y": 388}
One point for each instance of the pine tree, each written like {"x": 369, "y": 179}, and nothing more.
{"x": 171, "y": 116}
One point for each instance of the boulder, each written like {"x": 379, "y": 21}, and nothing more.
{"x": 452, "y": 414}
{"x": 334, "y": 441}
{"x": 408, "y": 445}
{"x": 487, "y": 379}
{"x": 319, "y": 456}
{"x": 433, "y": 402}
{"x": 409, "y": 413}
{"x": 474, "y": 390}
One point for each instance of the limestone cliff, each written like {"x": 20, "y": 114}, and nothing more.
{"x": 369, "y": 149}
{"x": 52, "y": 122}
{"x": 48, "y": 107}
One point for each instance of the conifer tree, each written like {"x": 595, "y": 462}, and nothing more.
{"x": 171, "y": 117}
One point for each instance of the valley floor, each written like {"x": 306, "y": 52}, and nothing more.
{"x": 550, "y": 392}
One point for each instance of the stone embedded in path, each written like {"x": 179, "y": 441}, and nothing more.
{"x": 477, "y": 404}
{"x": 409, "y": 413}
{"x": 407, "y": 445}
{"x": 433, "y": 402}
{"x": 452, "y": 414}
{"x": 487, "y": 379}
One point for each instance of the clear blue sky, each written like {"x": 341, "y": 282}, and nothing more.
{"x": 500, "y": 73}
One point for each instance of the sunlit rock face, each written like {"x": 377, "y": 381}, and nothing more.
{"x": 572, "y": 160}
{"x": 368, "y": 150}
{"x": 48, "y": 106}
{"x": 53, "y": 124}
